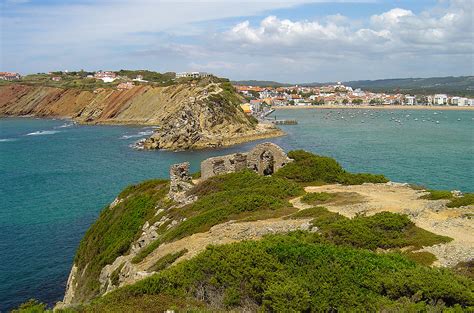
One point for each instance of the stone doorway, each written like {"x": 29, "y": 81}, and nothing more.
{"x": 267, "y": 163}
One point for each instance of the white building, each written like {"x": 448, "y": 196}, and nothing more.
{"x": 9, "y": 76}
{"x": 410, "y": 100}
{"x": 192, "y": 75}
{"x": 460, "y": 101}
{"x": 440, "y": 99}
{"x": 106, "y": 77}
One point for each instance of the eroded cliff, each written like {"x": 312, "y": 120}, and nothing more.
{"x": 190, "y": 115}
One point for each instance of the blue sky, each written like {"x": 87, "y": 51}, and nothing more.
{"x": 290, "y": 41}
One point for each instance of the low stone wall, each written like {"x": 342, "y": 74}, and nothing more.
{"x": 265, "y": 159}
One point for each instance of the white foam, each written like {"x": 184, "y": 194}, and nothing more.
{"x": 7, "y": 139}
{"x": 43, "y": 132}
{"x": 140, "y": 134}
{"x": 65, "y": 125}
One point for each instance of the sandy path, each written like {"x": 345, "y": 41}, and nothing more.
{"x": 218, "y": 235}
{"x": 431, "y": 215}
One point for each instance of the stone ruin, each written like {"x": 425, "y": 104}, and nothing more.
{"x": 265, "y": 159}
{"x": 180, "y": 183}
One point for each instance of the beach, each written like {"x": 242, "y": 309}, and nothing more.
{"x": 377, "y": 107}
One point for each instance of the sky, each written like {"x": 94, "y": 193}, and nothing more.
{"x": 287, "y": 41}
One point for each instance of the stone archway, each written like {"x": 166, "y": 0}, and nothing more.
{"x": 266, "y": 158}
{"x": 267, "y": 163}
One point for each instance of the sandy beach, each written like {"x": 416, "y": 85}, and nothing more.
{"x": 378, "y": 107}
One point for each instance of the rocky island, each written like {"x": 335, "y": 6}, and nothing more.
{"x": 266, "y": 230}
{"x": 189, "y": 114}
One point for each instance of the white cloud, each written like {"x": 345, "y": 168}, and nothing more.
{"x": 395, "y": 31}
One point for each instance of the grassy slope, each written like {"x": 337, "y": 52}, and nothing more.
{"x": 455, "y": 202}
{"x": 299, "y": 272}
{"x": 114, "y": 231}
{"x": 242, "y": 195}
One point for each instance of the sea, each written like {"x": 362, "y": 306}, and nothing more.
{"x": 56, "y": 176}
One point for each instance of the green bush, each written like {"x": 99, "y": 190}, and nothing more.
{"x": 466, "y": 199}
{"x": 437, "y": 195}
{"x": 166, "y": 261}
{"x": 383, "y": 230}
{"x": 238, "y": 195}
{"x": 456, "y": 202}
{"x": 113, "y": 232}
{"x": 294, "y": 273}
{"x": 31, "y": 306}
{"x": 316, "y": 197}
{"x": 312, "y": 168}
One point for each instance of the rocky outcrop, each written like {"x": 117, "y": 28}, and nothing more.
{"x": 189, "y": 115}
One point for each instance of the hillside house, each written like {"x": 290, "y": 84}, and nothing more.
{"x": 9, "y": 76}
{"x": 192, "y": 75}
{"x": 106, "y": 77}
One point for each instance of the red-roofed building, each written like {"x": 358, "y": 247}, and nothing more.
{"x": 9, "y": 76}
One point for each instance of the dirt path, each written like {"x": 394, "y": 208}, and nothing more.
{"x": 220, "y": 234}
{"x": 431, "y": 215}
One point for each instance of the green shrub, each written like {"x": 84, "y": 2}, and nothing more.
{"x": 308, "y": 167}
{"x": 115, "y": 276}
{"x": 466, "y": 199}
{"x": 113, "y": 232}
{"x": 437, "y": 195}
{"x": 316, "y": 197}
{"x": 31, "y": 306}
{"x": 238, "y": 195}
{"x": 312, "y": 168}
{"x": 167, "y": 260}
{"x": 421, "y": 257}
{"x": 294, "y": 273}
{"x": 456, "y": 202}
{"x": 383, "y": 230}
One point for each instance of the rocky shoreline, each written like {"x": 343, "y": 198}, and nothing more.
{"x": 192, "y": 115}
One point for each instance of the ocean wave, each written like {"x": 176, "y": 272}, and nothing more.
{"x": 140, "y": 134}
{"x": 7, "y": 139}
{"x": 43, "y": 132}
{"x": 66, "y": 125}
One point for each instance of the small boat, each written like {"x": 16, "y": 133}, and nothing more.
{"x": 459, "y": 119}
{"x": 437, "y": 122}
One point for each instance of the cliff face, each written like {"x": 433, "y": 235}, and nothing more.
{"x": 189, "y": 115}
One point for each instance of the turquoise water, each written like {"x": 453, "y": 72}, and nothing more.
{"x": 55, "y": 177}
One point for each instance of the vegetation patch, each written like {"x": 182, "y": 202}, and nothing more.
{"x": 296, "y": 272}
{"x": 115, "y": 276}
{"x": 382, "y": 230}
{"x": 333, "y": 198}
{"x": 455, "y": 202}
{"x": 465, "y": 268}
{"x": 437, "y": 195}
{"x": 421, "y": 257}
{"x": 316, "y": 197}
{"x": 167, "y": 260}
{"x": 466, "y": 199}
{"x": 234, "y": 196}
{"x": 311, "y": 168}
{"x": 113, "y": 232}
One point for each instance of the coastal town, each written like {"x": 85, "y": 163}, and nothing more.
{"x": 260, "y": 99}
{"x": 338, "y": 94}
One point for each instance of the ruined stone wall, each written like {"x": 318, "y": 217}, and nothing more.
{"x": 265, "y": 159}
{"x": 223, "y": 164}
{"x": 180, "y": 183}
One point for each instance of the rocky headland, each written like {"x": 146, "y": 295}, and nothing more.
{"x": 189, "y": 115}
{"x": 264, "y": 195}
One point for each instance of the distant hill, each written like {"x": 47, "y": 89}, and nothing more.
{"x": 462, "y": 85}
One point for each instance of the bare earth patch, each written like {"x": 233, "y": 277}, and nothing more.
{"x": 432, "y": 215}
